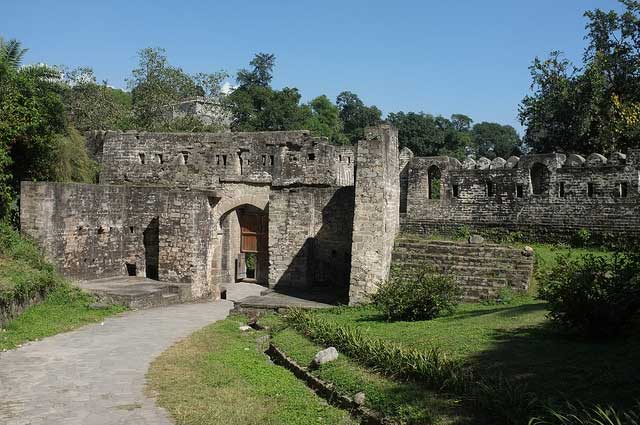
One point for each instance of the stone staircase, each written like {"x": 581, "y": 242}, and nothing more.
{"x": 480, "y": 269}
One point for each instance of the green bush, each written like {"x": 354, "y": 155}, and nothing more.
{"x": 595, "y": 295}
{"x": 578, "y": 414}
{"x": 417, "y": 294}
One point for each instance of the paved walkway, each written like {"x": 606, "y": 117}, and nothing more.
{"x": 96, "y": 375}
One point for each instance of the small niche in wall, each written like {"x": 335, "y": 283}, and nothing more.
{"x": 185, "y": 158}
{"x": 141, "y": 157}
{"x": 590, "y": 190}
{"x": 623, "y": 189}
{"x": 159, "y": 158}
{"x": 561, "y": 191}
{"x": 271, "y": 160}
{"x": 217, "y": 159}
{"x": 131, "y": 269}
{"x": 312, "y": 157}
{"x": 224, "y": 160}
{"x": 340, "y": 158}
{"x": 489, "y": 189}
{"x": 131, "y": 229}
{"x": 456, "y": 191}
{"x": 519, "y": 191}
{"x": 264, "y": 160}
{"x": 348, "y": 160}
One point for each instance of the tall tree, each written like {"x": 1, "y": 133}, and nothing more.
{"x": 93, "y": 106}
{"x": 11, "y": 53}
{"x": 156, "y": 84}
{"x": 491, "y": 139}
{"x": 324, "y": 120}
{"x": 595, "y": 107}
{"x": 255, "y": 106}
{"x": 356, "y": 115}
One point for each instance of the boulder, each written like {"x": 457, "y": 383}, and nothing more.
{"x": 325, "y": 356}
{"x": 359, "y": 398}
{"x": 245, "y": 328}
{"x": 527, "y": 251}
{"x": 476, "y": 239}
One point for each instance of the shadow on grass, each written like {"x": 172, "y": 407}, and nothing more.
{"x": 375, "y": 316}
{"x": 558, "y": 366}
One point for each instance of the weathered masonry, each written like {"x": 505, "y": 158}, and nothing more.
{"x": 283, "y": 209}
{"x": 548, "y": 196}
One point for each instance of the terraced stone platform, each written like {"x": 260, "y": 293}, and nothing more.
{"x": 137, "y": 292}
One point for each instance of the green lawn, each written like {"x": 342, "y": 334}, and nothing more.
{"x": 64, "y": 309}
{"x": 219, "y": 375}
{"x": 24, "y": 273}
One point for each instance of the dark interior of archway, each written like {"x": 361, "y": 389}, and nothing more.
{"x": 151, "y": 239}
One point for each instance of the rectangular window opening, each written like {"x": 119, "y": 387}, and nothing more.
{"x": 590, "y": 190}
{"x": 519, "y": 191}
{"x": 456, "y": 191}
{"x": 312, "y": 157}
{"x": 131, "y": 269}
{"x": 489, "y": 189}
{"x": 624, "y": 189}
{"x": 224, "y": 160}
{"x": 264, "y": 160}
{"x": 562, "y": 192}
{"x": 271, "y": 160}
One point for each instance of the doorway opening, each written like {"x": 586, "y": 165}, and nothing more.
{"x": 151, "y": 240}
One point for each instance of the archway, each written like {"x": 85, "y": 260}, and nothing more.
{"x": 242, "y": 252}
{"x": 540, "y": 177}
{"x": 434, "y": 182}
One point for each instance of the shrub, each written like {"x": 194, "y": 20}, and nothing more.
{"x": 506, "y": 401}
{"x": 596, "y": 295}
{"x": 417, "y": 293}
{"x": 578, "y": 414}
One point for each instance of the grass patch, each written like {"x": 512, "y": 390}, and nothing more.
{"x": 24, "y": 273}
{"x": 64, "y": 309}
{"x": 218, "y": 375}
{"x": 403, "y": 401}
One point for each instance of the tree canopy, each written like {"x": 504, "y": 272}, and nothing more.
{"x": 595, "y": 107}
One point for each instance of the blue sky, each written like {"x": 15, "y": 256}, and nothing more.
{"x": 440, "y": 57}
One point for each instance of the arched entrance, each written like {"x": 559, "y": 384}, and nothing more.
{"x": 242, "y": 254}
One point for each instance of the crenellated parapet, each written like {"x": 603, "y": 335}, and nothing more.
{"x": 548, "y": 193}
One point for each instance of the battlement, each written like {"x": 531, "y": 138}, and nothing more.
{"x": 545, "y": 194}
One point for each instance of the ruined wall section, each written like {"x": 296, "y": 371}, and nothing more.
{"x": 547, "y": 196}
{"x": 94, "y": 231}
{"x": 210, "y": 160}
{"x": 310, "y": 238}
{"x": 376, "y": 215}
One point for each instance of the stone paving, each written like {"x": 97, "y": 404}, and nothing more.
{"x": 96, "y": 375}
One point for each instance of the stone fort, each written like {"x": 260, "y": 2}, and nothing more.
{"x": 193, "y": 208}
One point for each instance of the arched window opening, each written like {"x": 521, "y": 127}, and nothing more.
{"x": 434, "y": 182}
{"x": 540, "y": 178}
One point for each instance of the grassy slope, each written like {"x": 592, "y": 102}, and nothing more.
{"x": 24, "y": 273}
{"x": 515, "y": 340}
{"x": 218, "y": 375}
{"x": 405, "y": 401}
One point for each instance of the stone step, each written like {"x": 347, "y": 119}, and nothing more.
{"x": 436, "y": 259}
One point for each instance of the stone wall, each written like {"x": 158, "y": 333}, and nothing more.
{"x": 95, "y": 231}
{"x": 480, "y": 270}
{"x": 376, "y": 215}
{"x": 210, "y": 160}
{"x": 310, "y": 238}
{"x": 549, "y": 196}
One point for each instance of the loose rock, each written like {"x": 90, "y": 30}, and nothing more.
{"x": 359, "y": 398}
{"x": 476, "y": 239}
{"x": 325, "y": 356}
{"x": 527, "y": 251}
